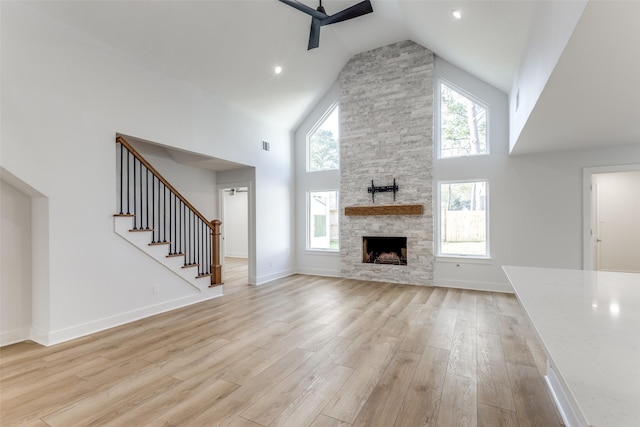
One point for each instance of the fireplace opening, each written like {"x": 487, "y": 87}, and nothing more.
{"x": 384, "y": 250}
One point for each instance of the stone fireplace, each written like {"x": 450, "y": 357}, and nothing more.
{"x": 386, "y": 126}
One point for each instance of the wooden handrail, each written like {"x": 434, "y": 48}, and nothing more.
{"x": 153, "y": 170}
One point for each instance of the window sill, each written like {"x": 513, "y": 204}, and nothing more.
{"x": 323, "y": 252}
{"x": 470, "y": 259}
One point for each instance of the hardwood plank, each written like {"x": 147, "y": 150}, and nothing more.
{"x": 352, "y": 397}
{"x": 459, "y": 405}
{"x": 443, "y": 329}
{"x": 462, "y": 356}
{"x": 384, "y": 403}
{"x": 258, "y": 386}
{"x": 489, "y": 416}
{"x": 532, "y": 401}
{"x": 467, "y": 306}
{"x": 242, "y": 422}
{"x": 421, "y": 402}
{"x": 303, "y": 410}
{"x": 494, "y": 387}
{"x": 269, "y": 407}
{"x": 324, "y": 421}
{"x": 514, "y": 341}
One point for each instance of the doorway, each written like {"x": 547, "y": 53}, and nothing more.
{"x": 612, "y": 218}
{"x": 235, "y": 229}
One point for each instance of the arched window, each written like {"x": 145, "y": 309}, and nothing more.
{"x": 463, "y": 124}
{"x": 323, "y": 151}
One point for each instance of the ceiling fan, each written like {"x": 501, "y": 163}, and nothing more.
{"x": 319, "y": 17}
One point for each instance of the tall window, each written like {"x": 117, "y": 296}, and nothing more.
{"x": 463, "y": 124}
{"x": 322, "y": 220}
{"x": 322, "y": 144}
{"x": 463, "y": 218}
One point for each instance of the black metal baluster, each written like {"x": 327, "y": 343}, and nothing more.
{"x": 141, "y": 197}
{"x": 189, "y": 237}
{"x": 135, "y": 200}
{"x": 159, "y": 211}
{"x": 164, "y": 213}
{"x": 153, "y": 208}
{"x": 121, "y": 178}
{"x": 199, "y": 247}
{"x": 146, "y": 189}
{"x": 193, "y": 237}
{"x": 175, "y": 224}
{"x": 170, "y": 243}
{"x": 128, "y": 181}
{"x": 180, "y": 226}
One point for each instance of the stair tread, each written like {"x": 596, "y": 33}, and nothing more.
{"x": 204, "y": 275}
{"x": 159, "y": 243}
{"x": 135, "y": 230}
{"x": 190, "y": 265}
{"x": 127, "y": 215}
{"x": 174, "y": 255}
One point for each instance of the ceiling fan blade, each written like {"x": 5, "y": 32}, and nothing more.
{"x": 304, "y": 8}
{"x": 314, "y": 35}
{"x": 354, "y": 11}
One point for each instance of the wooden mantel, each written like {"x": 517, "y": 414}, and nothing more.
{"x": 383, "y": 210}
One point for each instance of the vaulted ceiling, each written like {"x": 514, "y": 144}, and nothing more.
{"x": 231, "y": 47}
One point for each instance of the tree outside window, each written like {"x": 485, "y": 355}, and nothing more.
{"x": 323, "y": 144}
{"x": 463, "y": 125}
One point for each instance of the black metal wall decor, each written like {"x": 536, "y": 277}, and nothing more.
{"x": 382, "y": 189}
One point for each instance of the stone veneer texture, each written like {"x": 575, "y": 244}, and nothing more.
{"x": 386, "y": 132}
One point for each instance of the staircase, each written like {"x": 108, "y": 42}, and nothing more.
{"x": 158, "y": 220}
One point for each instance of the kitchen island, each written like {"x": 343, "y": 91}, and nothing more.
{"x": 588, "y": 323}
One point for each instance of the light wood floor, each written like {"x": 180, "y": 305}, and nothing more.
{"x": 301, "y": 351}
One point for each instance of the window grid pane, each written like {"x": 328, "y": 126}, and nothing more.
{"x": 463, "y": 125}
{"x": 463, "y": 218}
{"x": 323, "y": 146}
{"x": 323, "y": 220}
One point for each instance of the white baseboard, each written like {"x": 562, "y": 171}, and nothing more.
{"x": 570, "y": 417}
{"x": 92, "y": 327}
{"x": 475, "y": 286}
{"x": 319, "y": 272}
{"x": 236, "y": 255}
{"x": 275, "y": 276}
{"x": 13, "y": 336}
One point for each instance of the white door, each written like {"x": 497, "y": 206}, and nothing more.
{"x": 617, "y": 216}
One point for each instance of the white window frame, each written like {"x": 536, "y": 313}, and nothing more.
{"x": 308, "y": 220}
{"x": 320, "y": 122}
{"x": 438, "y": 228}
{"x": 438, "y": 118}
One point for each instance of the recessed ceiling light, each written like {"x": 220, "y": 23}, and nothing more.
{"x": 457, "y": 14}
{"x": 278, "y": 69}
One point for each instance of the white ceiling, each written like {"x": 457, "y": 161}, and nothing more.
{"x": 230, "y": 48}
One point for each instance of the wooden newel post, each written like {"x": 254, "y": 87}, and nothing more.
{"x": 216, "y": 268}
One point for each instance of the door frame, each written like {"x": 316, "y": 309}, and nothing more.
{"x": 251, "y": 254}
{"x": 588, "y": 206}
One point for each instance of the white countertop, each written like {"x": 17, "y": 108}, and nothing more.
{"x": 589, "y": 324}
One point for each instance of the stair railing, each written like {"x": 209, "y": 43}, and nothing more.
{"x": 157, "y": 206}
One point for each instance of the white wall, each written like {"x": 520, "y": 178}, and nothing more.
{"x": 234, "y": 224}
{"x": 552, "y": 27}
{"x": 64, "y": 97}
{"x": 197, "y": 185}
{"x": 15, "y": 264}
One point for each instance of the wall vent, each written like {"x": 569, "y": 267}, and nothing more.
{"x": 266, "y": 146}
